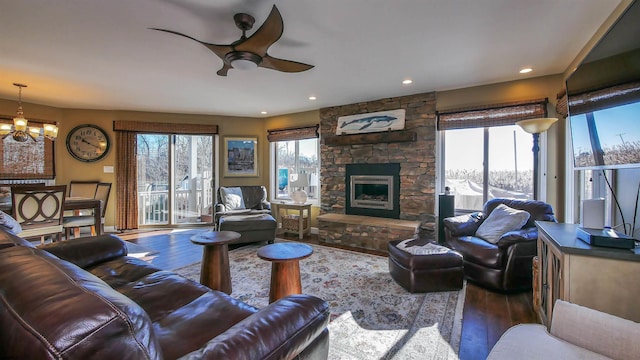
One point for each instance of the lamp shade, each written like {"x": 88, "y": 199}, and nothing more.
{"x": 299, "y": 180}
{"x": 5, "y": 129}
{"x": 536, "y": 126}
{"x": 20, "y": 123}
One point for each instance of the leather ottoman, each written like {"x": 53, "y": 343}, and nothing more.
{"x": 252, "y": 228}
{"x": 439, "y": 269}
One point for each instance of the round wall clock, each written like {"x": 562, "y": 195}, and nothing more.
{"x": 88, "y": 143}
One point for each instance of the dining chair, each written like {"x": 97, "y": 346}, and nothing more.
{"x": 75, "y": 222}
{"x": 85, "y": 189}
{"x": 38, "y": 210}
{"x": 82, "y": 189}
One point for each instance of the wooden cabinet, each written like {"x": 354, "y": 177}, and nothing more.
{"x": 601, "y": 278}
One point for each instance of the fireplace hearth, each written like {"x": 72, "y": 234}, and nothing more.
{"x": 373, "y": 190}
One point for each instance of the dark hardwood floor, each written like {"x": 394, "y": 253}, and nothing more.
{"x": 486, "y": 314}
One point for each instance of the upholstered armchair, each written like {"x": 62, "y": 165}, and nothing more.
{"x": 241, "y": 200}
{"x": 499, "y": 254}
{"x": 245, "y": 209}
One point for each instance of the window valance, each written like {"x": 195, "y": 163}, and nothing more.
{"x": 163, "y": 128}
{"x": 27, "y": 160}
{"x": 293, "y": 133}
{"x": 492, "y": 115}
{"x": 604, "y": 98}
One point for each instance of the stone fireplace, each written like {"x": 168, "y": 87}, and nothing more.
{"x": 413, "y": 151}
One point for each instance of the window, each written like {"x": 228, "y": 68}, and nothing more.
{"x": 485, "y": 155}
{"x": 507, "y": 171}
{"x": 188, "y": 168}
{"x": 296, "y": 168}
{"x": 174, "y": 178}
{"x": 295, "y": 163}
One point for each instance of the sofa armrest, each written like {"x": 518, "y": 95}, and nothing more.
{"x": 596, "y": 331}
{"x": 218, "y": 208}
{"x": 88, "y": 251}
{"x": 279, "y": 331}
{"x": 464, "y": 225}
{"x": 518, "y": 236}
{"x": 265, "y": 205}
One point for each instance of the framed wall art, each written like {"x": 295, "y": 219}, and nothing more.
{"x": 372, "y": 122}
{"x": 240, "y": 157}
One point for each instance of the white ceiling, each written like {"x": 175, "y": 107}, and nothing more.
{"x": 100, "y": 54}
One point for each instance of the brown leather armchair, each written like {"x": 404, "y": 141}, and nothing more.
{"x": 506, "y": 265}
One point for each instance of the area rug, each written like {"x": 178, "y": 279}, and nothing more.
{"x": 372, "y": 317}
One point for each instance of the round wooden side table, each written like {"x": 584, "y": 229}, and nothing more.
{"x": 285, "y": 267}
{"x": 214, "y": 270}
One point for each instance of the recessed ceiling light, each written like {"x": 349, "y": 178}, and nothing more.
{"x": 407, "y": 82}
{"x": 526, "y": 70}
{"x": 263, "y": 112}
{"x": 312, "y": 97}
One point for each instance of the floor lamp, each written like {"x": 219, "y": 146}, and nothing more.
{"x": 535, "y": 127}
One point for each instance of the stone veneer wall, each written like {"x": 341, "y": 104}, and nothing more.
{"x": 417, "y": 159}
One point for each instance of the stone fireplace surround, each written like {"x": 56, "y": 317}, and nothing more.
{"x": 416, "y": 158}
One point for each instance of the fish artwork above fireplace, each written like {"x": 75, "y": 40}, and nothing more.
{"x": 373, "y": 190}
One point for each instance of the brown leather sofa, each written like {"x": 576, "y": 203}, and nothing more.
{"x": 85, "y": 299}
{"x": 506, "y": 265}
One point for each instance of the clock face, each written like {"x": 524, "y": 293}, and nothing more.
{"x": 88, "y": 143}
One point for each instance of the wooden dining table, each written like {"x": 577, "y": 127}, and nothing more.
{"x": 73, "y": 203}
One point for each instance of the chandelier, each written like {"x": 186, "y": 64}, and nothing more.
{"x": 20, "y": 131}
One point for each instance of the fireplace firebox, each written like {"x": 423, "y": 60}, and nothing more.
{"x": 373, "y": 190}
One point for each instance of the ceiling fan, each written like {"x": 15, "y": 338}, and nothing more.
{"x": 251, "y": 52}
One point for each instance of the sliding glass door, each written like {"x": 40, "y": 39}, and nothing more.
{"x": 175, "y": 177}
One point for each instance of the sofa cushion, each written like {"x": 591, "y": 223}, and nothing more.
{"x": 184, "y": 323}
{"x": 232, "y": 198}
{"x": 501, "y": 220}
{"x": 477, "y": 251}
{"x": 9, "y": 224}
{"x": 532, "y": 341}
{"x": 58, "y": 310}
{"x": 251, "y": 222}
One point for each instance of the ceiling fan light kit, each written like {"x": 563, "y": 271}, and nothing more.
{"x": 250, "y": 52}
{"x": 243, "y": 60}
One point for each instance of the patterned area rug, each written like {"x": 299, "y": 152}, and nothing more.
{"x": 372, "y": 317}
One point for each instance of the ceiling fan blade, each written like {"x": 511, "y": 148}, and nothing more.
{"x": 265, "y": 36}
{"x": 220, "y": 50}
{"x": 270, "y": 62}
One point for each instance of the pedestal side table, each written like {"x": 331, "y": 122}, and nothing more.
{"x": 214, "y": 270}
{"x": 285, "y": 267}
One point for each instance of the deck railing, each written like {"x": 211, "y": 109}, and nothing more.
{"x": 189, "y": 205}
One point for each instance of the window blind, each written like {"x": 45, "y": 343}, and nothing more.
{"x": 293, "y": 133}
{"x": 604, "y": 98}
{"x": 491, "y": 115}
{"x": 29, "y": 159}
{"x": 163, "y": 128}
